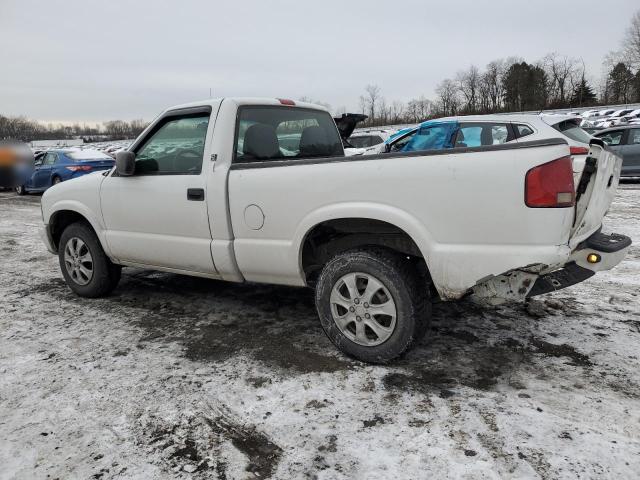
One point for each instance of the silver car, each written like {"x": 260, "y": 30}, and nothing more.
{"x": 625, "y": 142}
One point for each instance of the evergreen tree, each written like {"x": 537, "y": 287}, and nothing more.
{"x": 583, "y": 94}
{"x": 619, "y": 88}
{"x": 525, "y": 87}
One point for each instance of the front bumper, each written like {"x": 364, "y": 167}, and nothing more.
{"x": 608, "y": 250}
{"x": 45, "y": 235}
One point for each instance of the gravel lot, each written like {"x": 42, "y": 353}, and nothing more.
{"x": 177, "y": 377}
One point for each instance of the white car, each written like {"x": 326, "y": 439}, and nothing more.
{"x": 483, "y": 130}
{"x": 208, "y": 190}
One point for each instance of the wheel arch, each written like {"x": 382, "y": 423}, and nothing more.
{"x": 326, "y": 233}
{"x": 65, "y": 214}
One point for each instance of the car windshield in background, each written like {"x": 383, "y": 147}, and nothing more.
{"x": 80, "y": 155}
{"x": 572, "y": 130}
{"x": 365, "y": 141}
{"x": 272, "y": 133}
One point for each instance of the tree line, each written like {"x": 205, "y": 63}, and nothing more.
{"x": 514, "y": 85}
{"x": 24, "y": 129}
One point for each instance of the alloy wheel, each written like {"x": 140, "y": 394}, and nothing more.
{"x": 78, "y": 261}
{"x": 363, "y": 309}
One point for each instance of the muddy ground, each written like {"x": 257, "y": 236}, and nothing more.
{"x": 178, "y": 377}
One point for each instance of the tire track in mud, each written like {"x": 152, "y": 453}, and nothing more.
{"x": 197, "y": 442}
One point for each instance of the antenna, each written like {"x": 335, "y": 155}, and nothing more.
{"x": 209, "y": 92}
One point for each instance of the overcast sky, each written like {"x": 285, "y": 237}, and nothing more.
{"x": 85, "y": 60}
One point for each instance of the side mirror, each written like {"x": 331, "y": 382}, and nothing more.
{"x": 125, "y": 163}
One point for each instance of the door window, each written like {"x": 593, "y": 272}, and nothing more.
{"x": 634, "y": 136}
{"x": 50, "y": 159}
{"x": 523, "y": 130}
{"x": 432, "y": 137}
{"x": 398, "y": 145}
{"x": 175, "y": 148}
{"x": 482, "y": 134}
{"x": 612, "y": 138}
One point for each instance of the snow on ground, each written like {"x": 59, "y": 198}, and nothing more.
{"x": 177, "y": 377}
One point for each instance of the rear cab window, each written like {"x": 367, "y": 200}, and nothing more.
{"x": 266, "y": 133}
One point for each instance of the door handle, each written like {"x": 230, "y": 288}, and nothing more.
{"x": 195, "y": 194}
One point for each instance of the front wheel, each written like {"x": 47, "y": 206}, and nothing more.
{"x": 20, "y": 190}
{"x": 372, "y": 304}
{"x": 85, "y": 267}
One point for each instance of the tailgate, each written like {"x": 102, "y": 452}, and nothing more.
{"x": 595, "y": 191}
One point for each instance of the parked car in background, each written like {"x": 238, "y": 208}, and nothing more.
{"x": 633, "y": 115}
{"x": 369, "y": 138}
{"x": 625, "y": 142}
{"x": 56, "y": 166}
{"x": 486, "y": 130}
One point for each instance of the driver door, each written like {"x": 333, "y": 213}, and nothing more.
{"x": 42, "y": 174}
{"x": 158, "y": 216}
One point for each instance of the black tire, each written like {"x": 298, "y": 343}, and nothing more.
{"x": 106, "y": 274}
{"x": 400, "y": 277}
{"x": 20, "y": 190}
{"x": 56, "y": 180}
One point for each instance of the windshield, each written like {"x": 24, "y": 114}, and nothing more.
{"x": 571, "y": 129}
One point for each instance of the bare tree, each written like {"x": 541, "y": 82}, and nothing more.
{"x": 492, "y": 85}
{"x": 397, "y": 111}
{"x": 373, "y": 95}
{"x": 632, "y": 42}
{"x": 560, "y": 69}
{"x": 469, "y": 85}
{"x": 448, "y": 100}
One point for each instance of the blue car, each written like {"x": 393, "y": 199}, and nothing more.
{"x": 57, "y": 166}
{"x": 429, "y": 135}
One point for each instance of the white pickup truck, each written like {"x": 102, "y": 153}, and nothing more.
{"x": 259, "y": 190}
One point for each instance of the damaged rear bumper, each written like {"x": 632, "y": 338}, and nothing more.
{"x": 597, "y": 253}
{"x": 606, "y": 251}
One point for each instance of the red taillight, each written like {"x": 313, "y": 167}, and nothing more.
{"x": 578, "y": 150}
{"x": 80, "y": 168}
{"x": 550, "y": 185}
{"x": 286, "y": 101}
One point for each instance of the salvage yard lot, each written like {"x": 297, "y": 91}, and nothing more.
{"x": 178, "y": 377}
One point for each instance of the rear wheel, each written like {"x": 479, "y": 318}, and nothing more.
{"x": 85, "y": 267}
{"x": 372, "y": 304}
{"x": 56, "y": 180}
